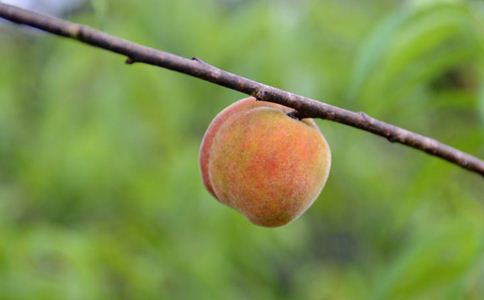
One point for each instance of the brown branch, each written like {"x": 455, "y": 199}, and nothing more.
{"x": 306, "y": 107}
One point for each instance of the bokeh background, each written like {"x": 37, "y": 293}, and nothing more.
{"x": 100, "y": 193}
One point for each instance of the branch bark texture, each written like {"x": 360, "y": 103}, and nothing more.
{"x": 306, "y": 107}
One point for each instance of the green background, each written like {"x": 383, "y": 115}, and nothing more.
{"x": 100, "y": 193}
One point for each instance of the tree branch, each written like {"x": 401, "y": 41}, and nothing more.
{"x": 306, "y": 107}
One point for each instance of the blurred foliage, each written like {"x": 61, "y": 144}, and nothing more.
{"x": 100, "y": 195}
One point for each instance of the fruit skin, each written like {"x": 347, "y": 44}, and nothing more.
{"x": 217, "y": 122}
{"x": 263, "y": 163}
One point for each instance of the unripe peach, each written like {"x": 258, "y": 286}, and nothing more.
{"x": 263, "y": 163}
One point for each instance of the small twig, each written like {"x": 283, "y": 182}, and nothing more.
{"x": 294, "y": 114}
{"x": 129, "y": 61}
{"x": 197, "y": 68}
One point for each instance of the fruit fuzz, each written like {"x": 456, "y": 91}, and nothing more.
{"x": 263, "y": 163}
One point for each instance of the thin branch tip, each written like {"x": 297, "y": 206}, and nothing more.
{"x": 198, "y": 60}
{"x": 294, "y": 115}
{"x": 364, "y": 116}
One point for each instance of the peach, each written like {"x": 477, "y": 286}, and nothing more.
{"x": 263, "y": 163}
